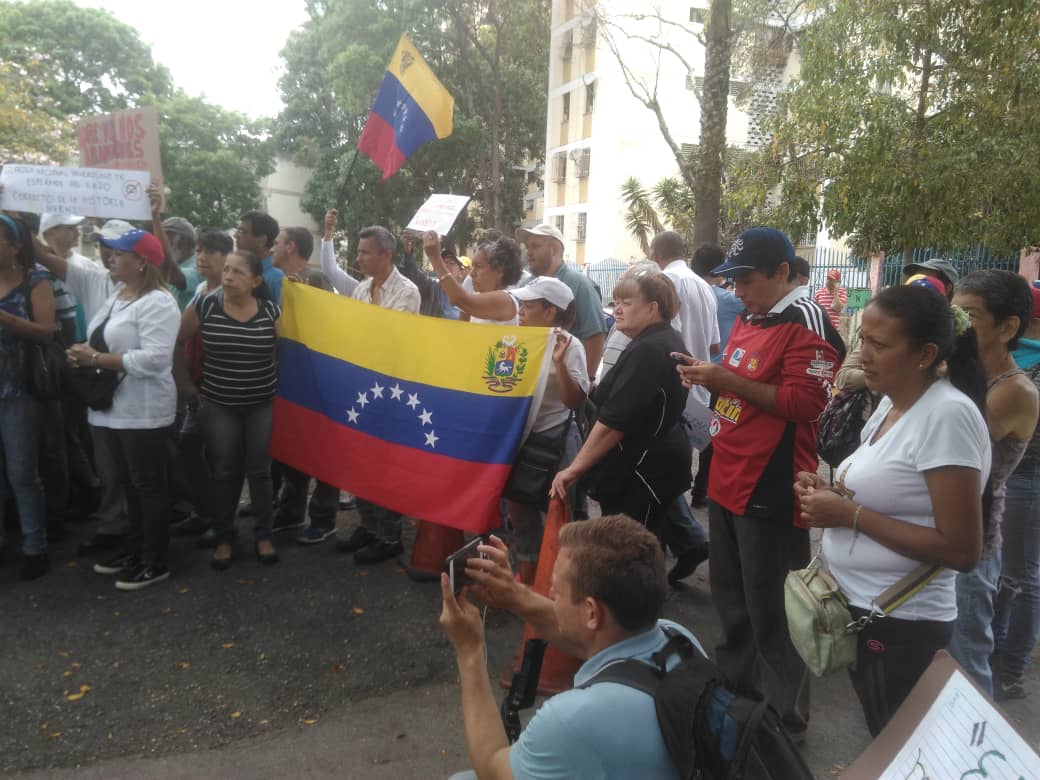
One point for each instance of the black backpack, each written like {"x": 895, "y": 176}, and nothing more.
{"x": 841, "y": 424}
{"x": 710, "y": 731}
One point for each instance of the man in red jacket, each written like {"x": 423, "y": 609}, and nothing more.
{"x": 773, "y": 383}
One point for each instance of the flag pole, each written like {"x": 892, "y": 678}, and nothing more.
{"x": 346, "y": 179}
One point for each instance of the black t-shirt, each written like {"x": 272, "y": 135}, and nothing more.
{"x": 642, "y": 396}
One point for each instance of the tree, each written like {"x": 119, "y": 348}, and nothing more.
{"x": 918, "y": 123}
{"x": 28, "y": 130}
{"x": 492, "y": 56}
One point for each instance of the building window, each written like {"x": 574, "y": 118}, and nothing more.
{"x": 579, "y": 232}
{"x": 698, "y": 15}
{"x": 558, "y": 222}
{"x": 559, "y": 166}
{"x": 588, "y": 32}
{"x": 583, "y": 163}
{"x": 590, "y": 97}
{"x": 739, "y": 90}
{"x": 567, "y": 45}
{"x": 566, "y": 107}
{"x": 694, "y": 82}
{"x": 689, "y": 151}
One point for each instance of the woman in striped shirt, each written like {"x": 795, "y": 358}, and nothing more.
{"x": 238, "y": 324}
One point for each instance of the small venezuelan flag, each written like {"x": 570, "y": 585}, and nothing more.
{"x": 411, "y": 108}
{"x": 417, "y": 414}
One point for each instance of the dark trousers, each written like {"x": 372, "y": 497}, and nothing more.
{"x": 891, "y": 656}
{"x": 641, "y": 509}
{"x": 749, "y": 559}
{"x": 238, "y": 441}
{"x": 384, "y": 524}
{"x": 192, "y": 445}
{"x": 140, "y": 457}
{"x": 54, "y": 463}
{"x": 292, "y": 502}
{"x": 700, "y": 482}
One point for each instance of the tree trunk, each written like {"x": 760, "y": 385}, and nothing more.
{"x": 495, "y": 217}
{"x": 707, "y": 192}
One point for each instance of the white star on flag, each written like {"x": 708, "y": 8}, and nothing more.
{"x": 352, "y": 415}
{"x": 377, "y": 391}
{"x": 432, "y": 439}
{"x": 362, "y": 399}
{"x": 426, "y": 417}
{"x": 395, "y": 393}
{"x": 413, "y": 400}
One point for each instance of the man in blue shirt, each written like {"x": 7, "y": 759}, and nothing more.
{"x": 256, "y": 233}
{"x": 608, "y": 587}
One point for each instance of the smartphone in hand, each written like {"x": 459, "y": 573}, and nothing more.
{"x": 455, "y": 564}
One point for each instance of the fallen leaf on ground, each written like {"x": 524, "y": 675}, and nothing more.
{"x": 183, "y": 590}
{"x": 359, "y": 611}
{"x": 362, "y": 574}
{"x": 75, "y": 664}
{"x": 116, "y": 613}
{"x": 54, "y": 735}
{"x": 338, "y": 668}
{"x": 66, "y": 673}
{"x": 44, "y": 727}
{"x": 182, "y": 731}
{"x": 245, "y": 582}
{"x": 167, "y": 611}
{"x": 228, "y": 645}
{"x": 83, "y": 689}
{"x": 63, "y": 653}
{"x": 264, "y": 722}
{"x": 184, "y": 665}
{"x": 115, "y": 664}
{"x": 309, "y": 721}
{"x": 236, "y": 715}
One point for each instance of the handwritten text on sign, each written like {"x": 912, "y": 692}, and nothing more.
{"x": 89, "y": 192}
{"x": 126, "y": 140}
{"x": 438, "y": 213}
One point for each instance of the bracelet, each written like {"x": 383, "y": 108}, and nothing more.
{"x": 93, "y": 359}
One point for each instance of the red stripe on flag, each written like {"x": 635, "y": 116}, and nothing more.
{"x": 377, "y": 141}
{"x": 456, "y": 493}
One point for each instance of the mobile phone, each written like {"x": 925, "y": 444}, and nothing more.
{"x": 455, "y": 564}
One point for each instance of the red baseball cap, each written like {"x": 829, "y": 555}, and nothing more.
{"x": 834, "y": 274}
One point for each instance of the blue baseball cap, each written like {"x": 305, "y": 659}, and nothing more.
{"x": 760, "y": 247}
{"x": 140, "y": 242}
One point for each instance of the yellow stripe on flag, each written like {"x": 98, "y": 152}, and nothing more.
{"x": 493, "y": 360}
{"x": 409, "y": 67}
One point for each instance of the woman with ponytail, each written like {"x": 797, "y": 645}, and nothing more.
{"x": 238, "y": 324}
{"x": 999, "y": 305}
{"x": 912, "y": 493}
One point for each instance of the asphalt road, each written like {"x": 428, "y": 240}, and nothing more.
{"x": 311, "y": 668}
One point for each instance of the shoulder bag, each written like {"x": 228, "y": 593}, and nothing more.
{"x": 818, "y": 618}
{"x": 535, "y": 466}
{"x": 44, "y": 361}
{"x": 96, "y": 387}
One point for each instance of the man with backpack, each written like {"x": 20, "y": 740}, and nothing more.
{"x": 609, "y": 586}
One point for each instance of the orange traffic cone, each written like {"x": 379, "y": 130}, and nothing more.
{"x": 557, "y": 668}
{"x": 433, "y": 543}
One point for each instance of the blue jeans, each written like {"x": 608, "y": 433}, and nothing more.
{"x": 1016, "y": 623}
{"x": 972, "y": 642}
{"x": 238, "y": 441}
{"x": 18, "y": 437}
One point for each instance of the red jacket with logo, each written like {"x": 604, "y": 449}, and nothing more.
{"x": 757, "y": 454}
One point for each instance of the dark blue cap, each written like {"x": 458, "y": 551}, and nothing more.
{"x": 760, "y": 247}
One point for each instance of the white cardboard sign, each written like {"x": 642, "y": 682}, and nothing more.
{"x": 438, "y": 213}
{"x": 88, "y": 192}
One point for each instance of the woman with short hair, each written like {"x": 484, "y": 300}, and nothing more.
{"x": 636, "y": 459}
{"x": 496, "y": 266}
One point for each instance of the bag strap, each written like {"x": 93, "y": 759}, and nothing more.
{"x": 907, "y": 587}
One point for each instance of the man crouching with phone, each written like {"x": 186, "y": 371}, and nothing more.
{"x": 608, "y": 587}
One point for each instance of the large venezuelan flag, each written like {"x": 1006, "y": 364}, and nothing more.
{"x": 417, "y": 414}
{"x": 411, "y": 108}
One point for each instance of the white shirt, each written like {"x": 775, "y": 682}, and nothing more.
{"x": 553, "y": 410}
{"x": 514, "y": 320}
{"x": 397, "y": 293}
{"x": 699, "y": 328}
{"x": 943, "y": 428}
{"x": 341, "y": 281}
{"x": 145, "y": 331}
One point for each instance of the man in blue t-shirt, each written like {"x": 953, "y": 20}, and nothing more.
{"x": 608, "y": 587}
{"x": 256, "y": 233}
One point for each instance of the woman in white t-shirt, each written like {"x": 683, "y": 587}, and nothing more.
{"x": 549, "y": 303}
{"x": 496, "y": 265}
{"x": 911, "y": 493}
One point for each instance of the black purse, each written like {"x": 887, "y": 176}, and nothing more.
{"x": 44, "y": 361}
{"x": 96, "y": 387}
{"x": 534, "y": 468}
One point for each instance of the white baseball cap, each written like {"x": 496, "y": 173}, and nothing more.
{"x": 114, "y": 229}
{"x": 48, "y": 221}
{"x": 539, "y": 230}
{"x": 548, "y": 288}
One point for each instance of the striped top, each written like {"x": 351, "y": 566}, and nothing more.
{"x": 825, "y": 298}
{"x": 239, "y": 362}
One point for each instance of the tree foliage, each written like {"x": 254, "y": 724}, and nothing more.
{"x": 918, "y": 121}
{"x": 492, "y": 57}
{"x": 60, "y": 62}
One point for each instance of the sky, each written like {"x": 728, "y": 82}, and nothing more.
{"x": 227, "y": 50}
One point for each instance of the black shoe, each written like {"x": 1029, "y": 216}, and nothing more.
{"x": 192, "y": 525}
{"x": 361, "y": 537}
{"x": 141, "y": 577}
{"x": 35, "y": 566}
{"x": 687, "y": 563}
{"x": 267, "y": 559}
{"x": 118, "y": 564}
{"x": 102, "y": 542}
{"x": 377, "y": 552}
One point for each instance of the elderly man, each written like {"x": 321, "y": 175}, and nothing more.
{"x": 773, "y": 383}
{"x": 832, "y": 297}
{"x": 181, "y": 235}
{"x": 544, "y": 245}
{"x": 378, "y": 537}
{"x": 608, "y": 586}
{"x": 937, "y": 268}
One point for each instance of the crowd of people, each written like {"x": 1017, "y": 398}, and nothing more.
{"x": 171, "y": 342}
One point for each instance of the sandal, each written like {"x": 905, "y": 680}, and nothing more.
{"x": 266, "y": 556}
{"x": 221, "y": 559}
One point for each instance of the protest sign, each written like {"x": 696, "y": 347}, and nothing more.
{"x": 438, "y": 213}
{"x": 126, "y": 140}
{"x": 89, "y": 192}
